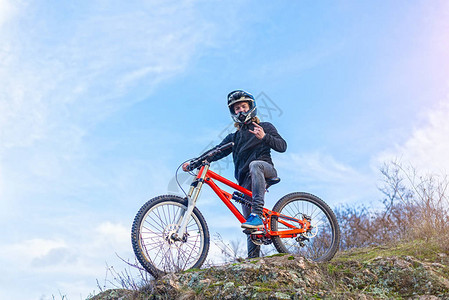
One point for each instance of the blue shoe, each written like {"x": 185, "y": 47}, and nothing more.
{"x": 253, "y": 221}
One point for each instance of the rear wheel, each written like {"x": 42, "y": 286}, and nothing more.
{"x": 152, "y": 232}
{"x": 322, "y": 241}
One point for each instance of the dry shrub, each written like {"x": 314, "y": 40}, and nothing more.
{"x": 414, "y": 207}
{"x": 126, "y": 279}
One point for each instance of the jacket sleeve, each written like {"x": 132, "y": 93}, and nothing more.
{"x": 227, "y": 139}
{"x": 273, "y": 139}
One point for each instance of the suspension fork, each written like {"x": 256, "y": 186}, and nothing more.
{"x": 192, "y": 197}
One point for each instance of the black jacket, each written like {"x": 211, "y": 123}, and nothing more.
{"x": 247, "y": 147}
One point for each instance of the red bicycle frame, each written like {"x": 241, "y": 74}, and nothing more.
{"x": 295, "y": 226}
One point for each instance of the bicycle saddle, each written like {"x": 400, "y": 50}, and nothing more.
{"x": 272, "y": 181}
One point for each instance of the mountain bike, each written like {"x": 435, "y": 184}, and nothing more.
{"x": 169, "y": 233}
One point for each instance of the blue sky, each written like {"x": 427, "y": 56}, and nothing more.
{"x": 100, "y": 101}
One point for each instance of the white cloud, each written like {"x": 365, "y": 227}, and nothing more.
{"x": 30, "y": 250}
{"x": 63, "y": 75}
{"x": 318, "y": 167}
{"x": 114, "y": 233}
{"x": 324, "y": 167}
{"x": 76, "y": 261}
{"x": 85, "y": 68}
{"x": 7, "y": 11}
{"x": 321, "y": 174}
{"x": 428, "y": 146}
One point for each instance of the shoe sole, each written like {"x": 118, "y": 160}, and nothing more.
{"x": 252, "y": 226}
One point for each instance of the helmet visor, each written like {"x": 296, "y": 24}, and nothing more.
{"x": 242, "y": 99}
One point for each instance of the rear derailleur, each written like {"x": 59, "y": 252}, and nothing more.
{"x": 301, "y": 239}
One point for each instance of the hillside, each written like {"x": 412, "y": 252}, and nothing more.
{"x": 418, "y": 270}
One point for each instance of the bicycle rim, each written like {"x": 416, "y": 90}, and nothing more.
{"x": 321, "y": 243}
{"x": 164, "y": 254}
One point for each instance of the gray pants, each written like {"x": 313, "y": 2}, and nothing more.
{"x": 255, "y": 182}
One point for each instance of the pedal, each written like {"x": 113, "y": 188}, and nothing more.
{"x": 257, "y": 231}
{"x": 253, "y": 231}
{"x": 247, "y": 231}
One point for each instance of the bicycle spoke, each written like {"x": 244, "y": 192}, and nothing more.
{"x": 160, "y": 249}
{"x": 313, "y": 244}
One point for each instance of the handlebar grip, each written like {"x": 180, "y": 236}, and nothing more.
{"x": 193, "y": 165}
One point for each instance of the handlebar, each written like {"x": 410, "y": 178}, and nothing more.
{"x": 197, "y": 162}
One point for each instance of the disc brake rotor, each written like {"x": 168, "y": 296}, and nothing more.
{"x": 169, "y": 230}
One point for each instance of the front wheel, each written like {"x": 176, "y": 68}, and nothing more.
{"x": 321, "y": 242}
{"x": 152, "y": 236}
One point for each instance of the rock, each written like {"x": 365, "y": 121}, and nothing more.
{"x": 294, "y": 277}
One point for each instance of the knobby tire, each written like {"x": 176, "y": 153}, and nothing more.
{"x": 321, "y": 247}
{"x": 150, "y": 236}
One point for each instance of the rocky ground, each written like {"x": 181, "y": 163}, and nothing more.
{"x": 416, "y": 270}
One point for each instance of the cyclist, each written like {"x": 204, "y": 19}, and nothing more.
{"x": 253, "y": 141}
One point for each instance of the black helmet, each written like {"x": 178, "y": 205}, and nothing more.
{"x": 242, "y": 96}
